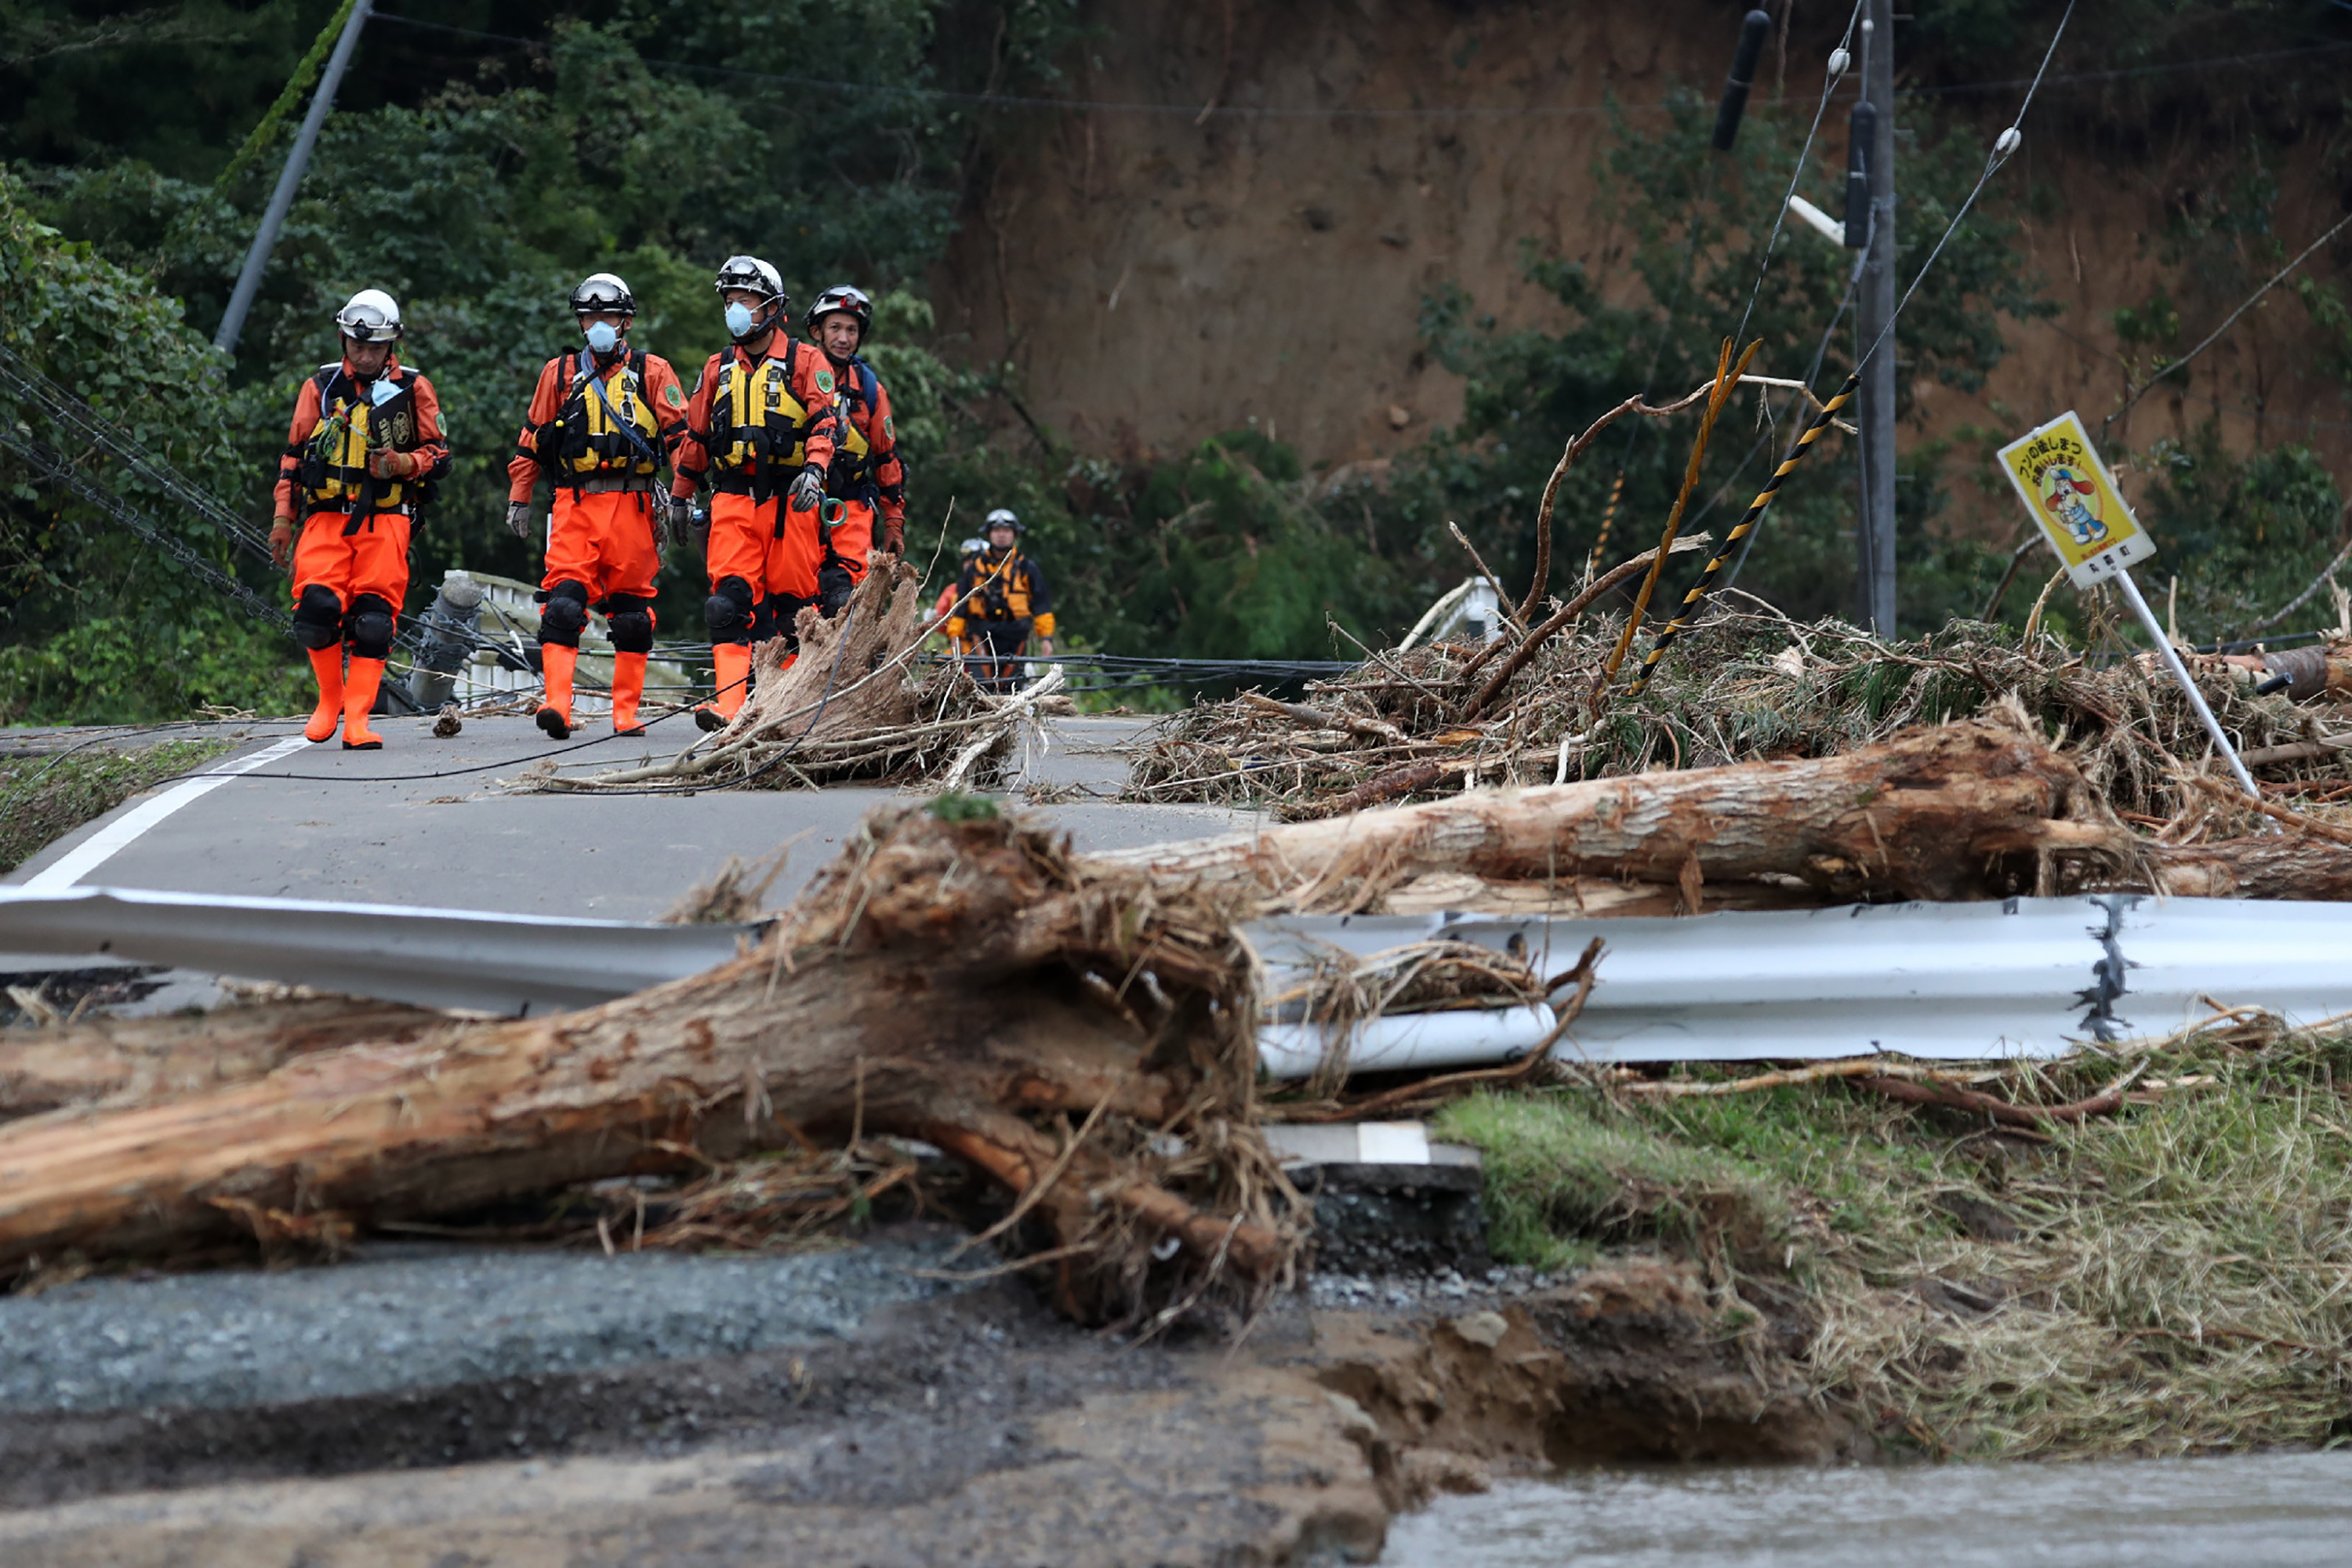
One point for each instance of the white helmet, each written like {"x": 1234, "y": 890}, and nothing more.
{"x": 369, "y": 316}
{"x": 750, "y": 272}
{"x": 1002, "y": 517}
{"x": 601, "y": 292}
{"x": 755, "y": 276}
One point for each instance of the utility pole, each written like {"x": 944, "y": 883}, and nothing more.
{"x": 1874, "y": 308}
{"x": 248, "y": 281}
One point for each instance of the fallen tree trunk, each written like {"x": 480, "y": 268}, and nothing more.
{"x": 1081, "y": 1030}
{"x": 952, "y": 981}
{"x": 130, "y": 1061}
{"x": 2276, "y": 865}
{"x": 1963, "y": 811}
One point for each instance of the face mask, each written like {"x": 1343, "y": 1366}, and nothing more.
{"x": 602, "y": 337}
{"x": 739, "y": 319}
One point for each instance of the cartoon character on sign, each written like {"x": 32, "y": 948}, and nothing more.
{"x": 2074, "y": 500}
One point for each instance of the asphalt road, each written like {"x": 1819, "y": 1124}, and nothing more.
{"x": 440, "y": 824}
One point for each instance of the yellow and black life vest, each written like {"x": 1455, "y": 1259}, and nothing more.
{"x": 606, "y": 426}
{"x": 998, "y": 590}
{"x": 334, "y": 459}
{"x": 759, "y": 428}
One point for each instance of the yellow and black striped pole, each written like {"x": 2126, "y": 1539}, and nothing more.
{"x": 1607, "y": 518}
{"x": 1745, "y": 526}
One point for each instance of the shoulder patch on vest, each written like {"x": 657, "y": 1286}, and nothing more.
{"x": 673, "y": 396}
{"x": 824, "y": 381}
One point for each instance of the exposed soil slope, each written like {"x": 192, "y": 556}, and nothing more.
{"x": 1158, "y": 277}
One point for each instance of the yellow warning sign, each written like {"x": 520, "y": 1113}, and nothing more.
{"x": 2073, "y": 498}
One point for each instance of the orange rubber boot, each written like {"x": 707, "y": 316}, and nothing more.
{"x": 628, "y": 690}
{"x": 555, "y": 664}
{"x": 327, "y": 668}
{"x": 359, "y": 696}
{"x": 731, "y": 661}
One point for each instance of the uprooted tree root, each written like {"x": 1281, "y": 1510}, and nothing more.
{"x": 851, "y": 706}
{"x": 1081, "y": 1031}
{"x": 1083, "y": 1040}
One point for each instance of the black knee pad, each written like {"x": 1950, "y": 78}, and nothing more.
{"x": 833, "y": 583}
{"x": 368, "y": 627}
{"x": 318, "y": 618}
{"x": 730, "y": 611}
{"x": 566, "y": 615}
{"x": 780, "y": 615}
{"x": 631, "y": 622}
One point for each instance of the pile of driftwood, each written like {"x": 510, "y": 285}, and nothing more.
{"x": 1077, "y": 1030}
{"x": 1751, "y": 685}
{"x": 855, "y": 705}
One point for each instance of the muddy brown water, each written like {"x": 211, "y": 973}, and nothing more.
{"x": 2244, "y": 1510}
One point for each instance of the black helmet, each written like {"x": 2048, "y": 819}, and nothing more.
{"x": 600, "y": 292}
{"x": 842, "y": 296}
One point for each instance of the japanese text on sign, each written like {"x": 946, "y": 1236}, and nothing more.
{"x": 2074, "y": 498}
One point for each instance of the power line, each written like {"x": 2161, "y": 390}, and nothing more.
{"x": 1236, "y": 112}
{"x": 74, "y": 416}
{"x": 47, "y": 462}
{"x": 2229, "y": 321}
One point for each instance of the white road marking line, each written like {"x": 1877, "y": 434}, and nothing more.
{"x": 118, "y": 835}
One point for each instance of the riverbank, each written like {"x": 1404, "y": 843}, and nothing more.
{"x": 876, "y": 1415}
{"x": 2163, "y": 1275}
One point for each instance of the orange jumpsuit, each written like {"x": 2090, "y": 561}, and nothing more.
{"x": 753, "y": 423}
{"x": 865, "y": 476}
{"x": 598, "y": 433}
{"x": 351, "y": 556}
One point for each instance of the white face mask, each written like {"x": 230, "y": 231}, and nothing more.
{"x": 603, "y": 337}
{"x": 739, "y": 319}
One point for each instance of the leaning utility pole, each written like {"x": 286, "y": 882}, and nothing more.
{"x": 248, "y": 283}
{"x": 1874, "y": 308}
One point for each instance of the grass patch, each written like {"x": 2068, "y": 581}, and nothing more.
{"x": 42, "y": 798}
{"x": 2174, "y": 1278}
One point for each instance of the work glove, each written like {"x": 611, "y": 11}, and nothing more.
{"x": 385, "y": 463}
{"x": 281, "y": 542}
{"x": 519, "y": 519}
{"x": 680, "y": 514}
{"x": 894, "y": 536}
{"x": 808, "y": 491}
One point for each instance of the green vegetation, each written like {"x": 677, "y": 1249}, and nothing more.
{"x": 477, "y": 176}
{"x": 43, "y": 798}
{"x": 2165, "y": 1279}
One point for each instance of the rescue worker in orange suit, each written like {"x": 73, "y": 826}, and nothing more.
{"x": 1000, "y": 599}
{"x": 364, "y": 448}
{"x": 866, "y": 477}
{"x": 604, "y": 420}
{"x": 760, "y": 428}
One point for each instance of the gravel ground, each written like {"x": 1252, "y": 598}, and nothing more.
{"x": 1446, "y": 1291}
{"x": 426, "y": 1317}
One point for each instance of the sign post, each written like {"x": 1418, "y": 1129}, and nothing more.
{"x": 2074, "y": 501}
